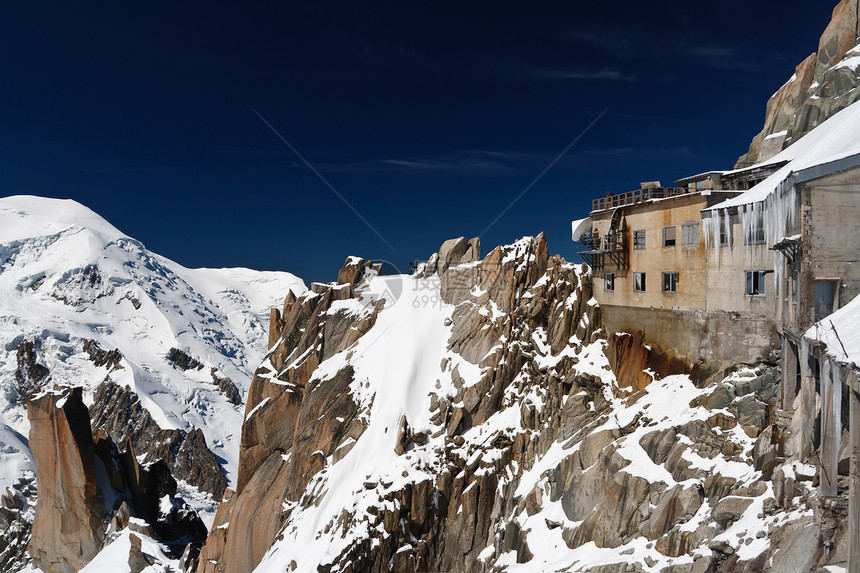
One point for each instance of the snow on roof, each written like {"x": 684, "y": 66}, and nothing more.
{"x": 580, "y": 227}
{"x": 699, "y": 176}
{"x": 836, "y": 138}
{"x": 840, "y": 332}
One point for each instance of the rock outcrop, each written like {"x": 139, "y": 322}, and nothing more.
{"x": 540, "y": 442}
{"x": 69, "y": 525}
{"x": 16, "y": 521}
{"x": 30, "y": 376}
{"x": 823, "y": 84}
{"x": 89, "y": 490}
{"x": 291, "y": 426}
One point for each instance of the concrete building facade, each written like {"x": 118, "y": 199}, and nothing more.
{"x": 655, "y": 273}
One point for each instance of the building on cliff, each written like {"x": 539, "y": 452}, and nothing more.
{"x": 745, "y": 265}
{"x": 762, "y": 252}
{"x": 659, "y": 275}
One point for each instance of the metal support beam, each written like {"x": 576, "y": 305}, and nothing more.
{"x": 854, "y": 477}
{"x": 807, "y": 403}
{"x": 830, "y": 431}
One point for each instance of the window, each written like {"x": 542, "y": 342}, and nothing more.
{"x": 639, "y": 239}
{"x": 610, "y": 281}
{"x": 725, "y": 233}
{"x": 755, "y": 235}
{"x": 639, "y": 282}
{"x": 690, "y": 235}
{"x": 670, "y": 282}
{"x": 795, "y": 289}
{"x": 668, "y": 236}
{"x": 755, "y": 283}
{"x": 825, "y": 298}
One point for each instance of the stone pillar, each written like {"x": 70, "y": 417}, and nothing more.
{"x": 789, "y": 374}
{"x": 807, "y": 403}
{"x": 830, "y": 428}
{"x": 836, "y": 377}
{"x": 783, "y": 366}
{"x": 854, "y": 476}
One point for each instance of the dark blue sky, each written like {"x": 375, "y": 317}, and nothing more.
{"x": 428, "y": 117}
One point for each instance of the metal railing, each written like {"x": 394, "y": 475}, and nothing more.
{"x": 639, "y": 196}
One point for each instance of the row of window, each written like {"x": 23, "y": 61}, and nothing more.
{"x": 670, "y": 282}
{"x": 755, "y": 283}
{"x": 689, "y": 236}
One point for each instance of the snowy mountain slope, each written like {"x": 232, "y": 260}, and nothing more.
{"x": 474, "y": 422}
{"x": 68, "y": 276}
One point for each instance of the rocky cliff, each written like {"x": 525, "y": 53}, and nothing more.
{"x": 476, "y": 417}
{"x": 822, "y": 84}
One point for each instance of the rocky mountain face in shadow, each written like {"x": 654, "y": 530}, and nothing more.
{"x": 823, "y": 84}
{"x": 539, "y": 440}
{"x": 117, "y": 410}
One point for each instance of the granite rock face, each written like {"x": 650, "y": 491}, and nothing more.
{"x": 68, "y": 529}
{"x": 823, "y": 84}
{"x": 293, "y": 423}
{"x": 89, "y": 489}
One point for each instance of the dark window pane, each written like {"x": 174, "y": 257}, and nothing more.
{"x": 825, "y": 296}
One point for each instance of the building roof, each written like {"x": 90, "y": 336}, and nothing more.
{"x": 835, "y": 140}
{"x": 699, "y": 177}
{"x": 840, "y": 333}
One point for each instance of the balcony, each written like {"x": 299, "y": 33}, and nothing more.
{"x": 639, "y": 196}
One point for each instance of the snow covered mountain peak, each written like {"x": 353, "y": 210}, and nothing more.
{"x": 74, "y": 288}
{"x": 28, "y": 216}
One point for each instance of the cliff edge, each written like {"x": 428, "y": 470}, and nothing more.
{"x": 822, "y": 84}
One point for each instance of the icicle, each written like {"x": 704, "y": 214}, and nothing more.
{"x": 714, "y": 234}
{"x": 837, "y": 404}
{"x": 826, "y": 406}
{"x": 774, "y": 218}
{"x": 706, "y": 231}
{"x": 804, "y": 357}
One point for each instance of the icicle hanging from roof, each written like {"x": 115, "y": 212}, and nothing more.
{"x": 836, "y": 401}
{"x": 715, "y": 226}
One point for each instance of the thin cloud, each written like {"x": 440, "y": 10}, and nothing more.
{"x": 720, "y": 57}
{"x": 605, "y": 75}
{"x": 627, "y": 45}
{"x": 712, "y": 51}
{"x": 462, "y": 163}
{"x": 640, "y": 153}
{"x": 124, "y": 170}
{"x": 617, "y": 42}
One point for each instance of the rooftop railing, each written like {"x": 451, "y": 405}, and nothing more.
{"x": 639, "y": 196}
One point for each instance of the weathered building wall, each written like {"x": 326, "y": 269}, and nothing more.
{"x": 710, "y": 317}
{"x": 831, "y": 235}
{"x": 726, "y": 284}
{"x": 698, "y": 335}
{"x": 655, "y": 259}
